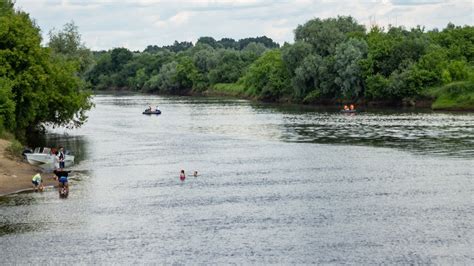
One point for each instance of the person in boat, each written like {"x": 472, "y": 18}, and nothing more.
{"x": 195, "y": 174}
{"x": 156, "y": 109}
{"x": 37, "y": 182}
{"x": 352, "y": 108}
{"x": 182, "y": 175}
{"x": 148, "y": 109}
{"x": 346, "y": 108}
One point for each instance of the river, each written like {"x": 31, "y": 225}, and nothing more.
{"x": 276, "y": 184}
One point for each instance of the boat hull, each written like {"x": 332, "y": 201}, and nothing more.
{"x": 46, "y": 159}
{"x": 348, "y": 111}
{"x": 152, "y": 112}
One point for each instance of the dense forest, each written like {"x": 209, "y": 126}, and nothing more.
{"x": 331, "y": 61}
{"x": 40, "y": 85}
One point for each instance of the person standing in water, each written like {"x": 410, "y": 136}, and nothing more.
{"x": 63, "y": 185}
{"x": 182, "y": 176}
{"x": 37, "y": 182}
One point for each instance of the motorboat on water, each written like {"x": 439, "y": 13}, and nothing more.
{"x": 151, "y": 112}
{"x": 44, "y": 155}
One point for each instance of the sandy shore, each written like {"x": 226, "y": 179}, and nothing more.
{"x": 16, "y": 175}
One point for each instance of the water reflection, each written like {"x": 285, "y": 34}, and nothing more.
{"x": 419, "y": 131}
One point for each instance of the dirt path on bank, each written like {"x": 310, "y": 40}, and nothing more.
{"x": 15, "y": 175}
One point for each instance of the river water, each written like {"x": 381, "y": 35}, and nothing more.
{"x": 279, "y": 185}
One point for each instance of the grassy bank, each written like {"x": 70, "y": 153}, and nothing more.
{"x": 226, "y": 89}
{"x": 14, "y": 148}
{"x": 456, "y": 96}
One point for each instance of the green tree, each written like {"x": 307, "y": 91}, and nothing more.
{"x": 294, "y": 54}
{"x": 457, "y": 40}
{"x": 7, "y": 105}
{"x": 166, "y": 80}
{"x": 228, "y": 68}
{"x": 209, "y": 41}
{"x": 324, "y": 35}
{"x": 267, "y": 78}
{"x": 252, "y": 51}
{"x": 68, "y": 43}
{"x": 44, "y": 88}
{"x": 307, "y": 76}
{"x": 349, "y": 76}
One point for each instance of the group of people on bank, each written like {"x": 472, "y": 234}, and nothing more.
{"x": 60, "y": 174}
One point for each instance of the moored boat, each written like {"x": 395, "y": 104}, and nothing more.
{"x": 41, "y": 156}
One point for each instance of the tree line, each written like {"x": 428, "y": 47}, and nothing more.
{"x": 331, "y": 60}
{"x": 40, "y": 85}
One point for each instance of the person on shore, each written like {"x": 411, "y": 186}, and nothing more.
{"x": 56, "y": 160}
{"x": 61, "y": 157}
{"x": 37, "y": 182}
{"x": 351, "y": 107}
{"x": 195, "y": 174}
{"x": 182, "y": 175}
{"x": 346, "y": 108}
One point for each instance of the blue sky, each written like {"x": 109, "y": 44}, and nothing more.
{"x": 105, "y": 24}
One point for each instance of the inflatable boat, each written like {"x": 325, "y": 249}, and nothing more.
{"x": 150, "y": 112}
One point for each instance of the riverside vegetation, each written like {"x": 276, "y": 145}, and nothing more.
{"x": 331, "y": 61}
{"x": 39, "y": 85}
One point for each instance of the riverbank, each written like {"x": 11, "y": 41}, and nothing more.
{"x": 15, "y": 175}
{"x": 455, "y": 96}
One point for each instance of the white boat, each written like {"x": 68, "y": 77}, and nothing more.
{"x": 42, "y": 156}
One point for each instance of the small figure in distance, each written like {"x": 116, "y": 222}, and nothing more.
{"x": 346, "y": 108}
{"x": 56, "y": 160}
{"x": 148, "y": 109}
{"x": 182, "y": 176}
{"x": 156, "y": 109}
{"x": 352, "y": 107}
{"x": 195, "y": 174}
{"x": 37, "y": 183}
{"x": 61, "y": 157}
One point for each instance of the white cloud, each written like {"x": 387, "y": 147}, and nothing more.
{"x": 181, "y": 18}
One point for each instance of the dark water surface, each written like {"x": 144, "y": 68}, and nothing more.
{"x": 276, "y": 185}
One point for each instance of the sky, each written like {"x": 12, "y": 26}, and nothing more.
{"x": 107, "y": 24}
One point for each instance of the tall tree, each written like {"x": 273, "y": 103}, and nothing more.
{"x": 44, "y": 88}
{"x": 67, "y": 42}
{"x": 347, "y": 58}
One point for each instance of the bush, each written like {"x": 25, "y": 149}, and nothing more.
{"x": 455, "y": 96}
{"x": 312, "y": 97}
{"x": 14, "y": 149}
{"x": 231, "y": 89}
